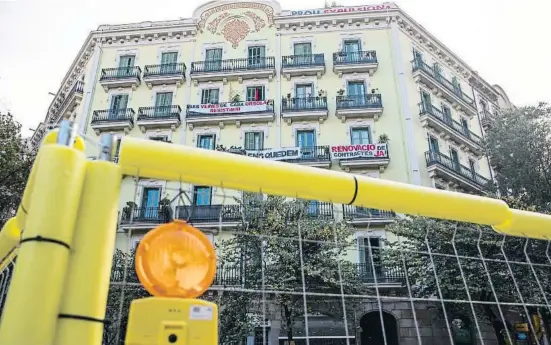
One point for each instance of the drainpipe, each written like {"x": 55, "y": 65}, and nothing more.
{"x": 183, "y": 130}
{"x": 278, "y": 83}
{"x": 92, "y": 81}
{"x": 482, "y": 132}
{"x": 404, "y": 106}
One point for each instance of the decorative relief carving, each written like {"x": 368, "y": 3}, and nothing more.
{"x": 268, "y": 10}
{"x": 235, "y": 31}
{"x": 213, "y": 26}
{"x": 259, "y": 23}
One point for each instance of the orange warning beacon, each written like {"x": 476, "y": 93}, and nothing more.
{"x": 175, "y": 262}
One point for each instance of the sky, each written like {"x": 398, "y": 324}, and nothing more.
{"x": 504, "y": 40}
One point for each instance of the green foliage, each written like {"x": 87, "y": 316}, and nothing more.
{"x": 519, "y": 147}
{"x": 15, "y": 163}
{"x": 281, "y": 248}
{"x": 450, "y": 254}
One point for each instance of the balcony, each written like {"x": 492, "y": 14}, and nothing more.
{"x": 381, "y": 273}
{"x": 230, "y": 113}
{"x": 145, "y": 217}
{"x": 112, "y": 120}
{"x": 71, "y": 101}
{"x": 210, "y": 216}
{"x": 159, "y": 117}
{"x": 304, "y": 109}
{"x": 316, "y": 156}
{"x": 456, "y": 174}
{"x": 366, "y": 156}
{"x": 357, "y": 215}
{"x": 355, "y": 62}
{"x": 165, "y": 74}
{"x": 485, "y": 119}
{"x": 442, "y": 87}
{"x": 113, "y": 78}
{"x": 435, "y": 118}
{"x": 359, "y": 106}
{"x": 233, "y": 69}
{"x": 303, "y": 65}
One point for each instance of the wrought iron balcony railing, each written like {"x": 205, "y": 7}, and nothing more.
{"x": 372, "y": 100}
{"x": 108, "y": 74}
{"x": 170, "y": 69}
{"x": 419, "y": 65}
{"x": 297, "y": 61}
{"x": 163, "y": 112}
{"x": 431, "y": 110}
{"x": 113, "y": 115}
{"x": 437, "y": 158}
{"x": 154, "y": 215}
{"x": 209, "y": 213}
{"x": 297, "y": 104}
{"x": 360, "y": 57}
{"x": 380, "y": 273}
{"x": 351, "y": 212}
{"x": 232, "y": 65}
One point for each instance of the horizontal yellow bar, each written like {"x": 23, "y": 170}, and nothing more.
{"x": 157, "y": 160}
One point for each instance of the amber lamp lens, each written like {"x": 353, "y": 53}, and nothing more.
{"x": 175, "y": 260}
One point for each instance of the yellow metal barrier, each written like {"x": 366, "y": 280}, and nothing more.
{"x": 66, "y": 248}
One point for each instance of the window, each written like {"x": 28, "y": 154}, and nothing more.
{"x": 455, "y": 159}
{"x": 456, "y": 85}
{"x": 207, "y": 142}
{"x": 169, "y": 58}
{"x": 254, "y": 141}
{"x": 303, "y": 91}
{"x": 447, "y": 113}
{"x": 352, "y": 46}
{"x": 306, "y": 139}
{"x": 261, "y": 336}
{"x": 210, "y": 96}
{"x": 126, "y": 65}
{"x": 118, "y": 147}
{"x": 118, "y": 106}
{"x": 426, "y": 101}
{"x": 484, "y": 106}
{"x": 433, "y": 144}
{"x": 472, "y": 165}
{"x": 213, "y": 59}
{"x": 417, "y": 55}
{"x": 303, "y": 53}
{"x": 360, "y": 136}
{"x": 465, "y": 125}
{"x": 163, "y": 102}
{"x": 370, "y": 248}
{"x": 257, "y": 56}
{"x": 202, "y": 195}
{"x": 150, "y": 203}
{"x": 159, "y": 138}
{"x": 255, "y": 93}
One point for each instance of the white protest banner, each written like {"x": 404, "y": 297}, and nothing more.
{"x": 236, "y": 107}
{"x": 359, "y": 151}
{"x": 277, "y": 154}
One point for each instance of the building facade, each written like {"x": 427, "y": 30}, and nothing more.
{"x": 363, "y": 89}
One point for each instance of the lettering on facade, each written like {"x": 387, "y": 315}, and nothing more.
{"x": 342, "y": 10}
{"x": 359, "y": 151}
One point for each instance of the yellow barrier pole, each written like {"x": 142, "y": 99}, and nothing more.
{"x": 32, "y": 304}
{"x": 157, "y": 160}
{"x": 85, "y": 294}
{"x": 9, "y": 239}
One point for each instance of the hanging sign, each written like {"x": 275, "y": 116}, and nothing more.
{"x": 359, "y": 151}
{"x": 343, "y": 9}
{"x": 232, "y": 107}
{"x": 277, "y": 154}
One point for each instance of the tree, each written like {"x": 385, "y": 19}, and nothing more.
{"x": 285, "y": 247}
{"x": 519, "y": 148}
{"x": 450, "y": 254}
{"x": 16, "y": 160}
